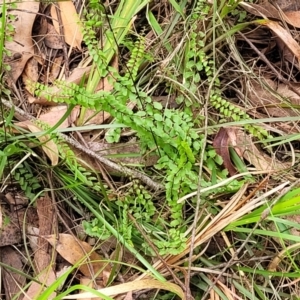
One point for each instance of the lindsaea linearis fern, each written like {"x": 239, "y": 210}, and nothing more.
{"x": 169, "y": 131}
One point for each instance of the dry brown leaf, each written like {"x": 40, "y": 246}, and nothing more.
{"x": 78, "y": 252}
{"x": 41, "y": 33}
{"x": 21, "y": 47}
{"x": 70, "y": 21}
{"x": 285, "y": 36}
{"x": 44, "y": 261}
{"x": 293, "y": 18}
{"x": 52, "y": 116}
{"x": 55, "y": 68}
{"x": 33, "y": 233}
{"x": 129, "y": 296}
{"x": 49, "y": 147}
{"x": 287, "y": 5}
{"x": 30, "y": 74}
{"x": 47, "y": 226}
{"x": 55, "y": 114}
{"x": 52, "y": 38}
{"x": 12, "y": 281}
{"x": 263, "y": 99}
{"x": 31, "y": 69}
{"x": 267, "y": 10}
{"x": 260, "y": 160}
{"x": 77, "y": 74}
{"x": 221, "y": 144}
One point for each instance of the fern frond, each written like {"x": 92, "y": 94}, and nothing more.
{"x": 27, "y": 180}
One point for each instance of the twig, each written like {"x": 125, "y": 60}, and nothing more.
{"x": 119, "y": 168}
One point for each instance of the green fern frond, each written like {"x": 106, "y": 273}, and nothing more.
{"x": 27, "y": 180}
{"x": 136, "y": 58}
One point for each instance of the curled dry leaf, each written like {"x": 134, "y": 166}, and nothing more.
{"x": 259, "y": 159}
{"x": 221, "y": 143}
{"x": 70, "y": 22}
{"x": 52, "y": 38}
{"x": 21, "y": 47}
{"x": 81, "y": 253}
{"x": 30, "y": 74}
{"x": 242, "y": 143}
{"x": 55, "y": 68}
